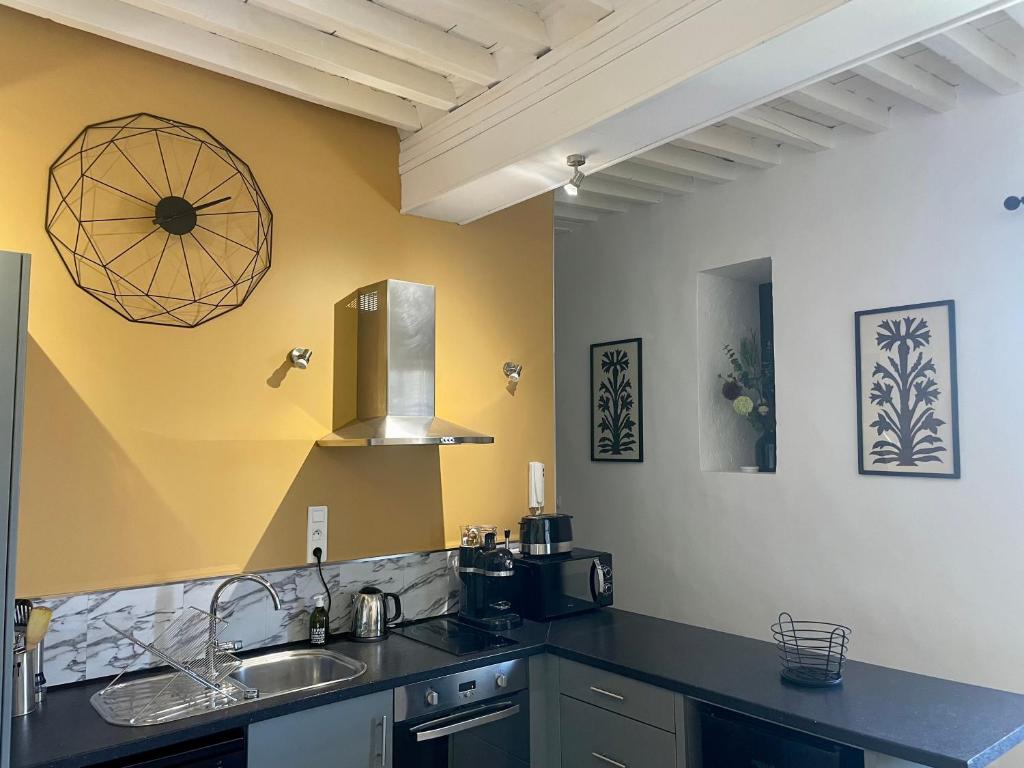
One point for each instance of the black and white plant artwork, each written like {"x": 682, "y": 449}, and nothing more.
{"x": 615, "y": 404}
{"x": 616, "y": 407}
{"x": 906, "y": 391}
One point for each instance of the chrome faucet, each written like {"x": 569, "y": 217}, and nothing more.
{"x": 212, "y": 646}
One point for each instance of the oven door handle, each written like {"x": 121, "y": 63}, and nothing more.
{"x": 464, "y": 725}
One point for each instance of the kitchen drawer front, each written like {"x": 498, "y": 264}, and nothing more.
{"x": 595, "y": 738}
{"x": 640, "y": 701}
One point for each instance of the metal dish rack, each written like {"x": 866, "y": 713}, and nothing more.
{"x": 200, "y": 680}
{"x": 812, "y": 652}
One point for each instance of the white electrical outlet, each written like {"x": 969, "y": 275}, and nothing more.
{"x": 316, "y": 533}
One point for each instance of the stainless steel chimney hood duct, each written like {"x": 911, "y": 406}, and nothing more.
{"x": 391, "y": 324}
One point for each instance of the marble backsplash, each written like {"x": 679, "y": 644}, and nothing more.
{"x": 80, "y": 645}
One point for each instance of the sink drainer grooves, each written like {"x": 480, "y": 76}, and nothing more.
{"x": 189, "y": 645}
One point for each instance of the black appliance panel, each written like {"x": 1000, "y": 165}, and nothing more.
{"x": 729, "y": 740}
{"x": 561, "y": 585}
{"x": 225, "y": 750}
{"x": 453, "y": 636}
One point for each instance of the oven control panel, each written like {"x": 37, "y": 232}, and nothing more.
{"x": 461, "y": 688}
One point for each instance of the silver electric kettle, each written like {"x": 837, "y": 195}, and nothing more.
{"x": 370, "y": 618}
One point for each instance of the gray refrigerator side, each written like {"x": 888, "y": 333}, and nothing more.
{"x": 14, "y": 270}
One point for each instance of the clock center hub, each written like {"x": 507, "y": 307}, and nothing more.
{"x": 175, "y": 215}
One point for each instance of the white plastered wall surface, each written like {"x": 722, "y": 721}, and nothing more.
{"x": 926, "y": 571}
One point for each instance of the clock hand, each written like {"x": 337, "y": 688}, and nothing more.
{"x": 211, "y": 203}
{"x": 166, "y": 219}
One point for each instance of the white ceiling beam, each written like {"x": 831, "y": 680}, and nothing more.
{"x": 732, "y": 145}
{"x": 392, "y": 33}
{"x": 573, "y": 213}
{"x": 626, "y": 49}
{"x": 183, "y": 42}
{"x": 643, "y": 75}
{"x": 979, "y": 56}
{"x": 510, "y": 60}
{"x": 590, "y": 201}
{"x": 570, "y": 226}
{"x": 909, "y": 81}
{"x": 567, "y": 18}
{"x": 511, "y": 23}
{"x": 624, "y": 191}
{"x": 246, "y": 23}
{"x": 597, "y": 6}
{"x": 688, "y": 162}
{"x": 649, "y": 178}
{"x": 498, "y": 23}
{"x": 776, "y": 125}
{"x": 429, "y": 115}
{"x": 1016, "y": 12}
{"x": 843, "y": 105}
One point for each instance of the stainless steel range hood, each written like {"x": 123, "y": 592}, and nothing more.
{"x": 390, "y": 324}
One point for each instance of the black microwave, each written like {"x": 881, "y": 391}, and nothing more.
{"x": 551, "y": 586}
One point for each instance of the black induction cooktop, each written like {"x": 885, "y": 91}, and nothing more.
{"x": 452, "y": 635}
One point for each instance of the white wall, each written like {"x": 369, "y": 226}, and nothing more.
{"x": 927, "y": 572}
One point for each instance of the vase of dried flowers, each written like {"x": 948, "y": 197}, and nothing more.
{"x": 750, "y": 387}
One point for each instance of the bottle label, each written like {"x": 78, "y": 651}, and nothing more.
{"x": 318, "y": 635}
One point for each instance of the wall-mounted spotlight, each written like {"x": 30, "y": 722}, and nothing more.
{"x": 300, "y": 357}
{"x": 574, "y": 162}
{"x": 512, "y": 372}
{"x": 1012, "y": 203}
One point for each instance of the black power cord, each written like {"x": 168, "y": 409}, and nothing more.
{"x": 318, "y": 554}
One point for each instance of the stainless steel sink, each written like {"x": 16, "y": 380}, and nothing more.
{"x": 299, "y": 670}
{"x": 273, "y": 674}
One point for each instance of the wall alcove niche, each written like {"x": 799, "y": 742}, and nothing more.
{"x": 734, "y": 303}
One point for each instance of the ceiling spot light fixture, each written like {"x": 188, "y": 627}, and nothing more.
{"x": 574, "y": 162}
{"x": 512, "y": 372}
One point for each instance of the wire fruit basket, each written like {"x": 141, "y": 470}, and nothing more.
{"x": 812, "y": 652}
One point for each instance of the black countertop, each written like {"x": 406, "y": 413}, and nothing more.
{"x": 917, "y": 718}
{"x": 67, "y": 732}
{"x": 922, "y": 719}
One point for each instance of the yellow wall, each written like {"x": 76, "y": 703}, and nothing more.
{"x": 160, "y": 453}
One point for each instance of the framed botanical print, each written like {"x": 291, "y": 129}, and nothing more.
{"x": 616, "y": 401}
{"x": 907, "y": 422}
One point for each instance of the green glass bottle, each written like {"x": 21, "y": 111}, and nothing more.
{"x": 318, "y": 621}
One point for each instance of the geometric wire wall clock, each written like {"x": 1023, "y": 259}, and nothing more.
{"x": 158, "y": 220}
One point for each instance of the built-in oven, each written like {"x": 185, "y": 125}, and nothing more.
{"x": 468, "y": 719}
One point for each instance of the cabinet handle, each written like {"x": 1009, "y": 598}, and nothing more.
{"x": 609, "y": 694}
{"x": 384, "y": 741}
{"x": 608, "y": 760}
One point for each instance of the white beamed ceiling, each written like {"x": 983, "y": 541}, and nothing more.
{"x": 987, "y": 51}
{"x": 666, "y": 71}
{"x": 400, "y": 62}
{"x": 662, "y": 96}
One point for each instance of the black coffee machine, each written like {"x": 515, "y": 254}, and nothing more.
{"x": 488, "y": 584}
